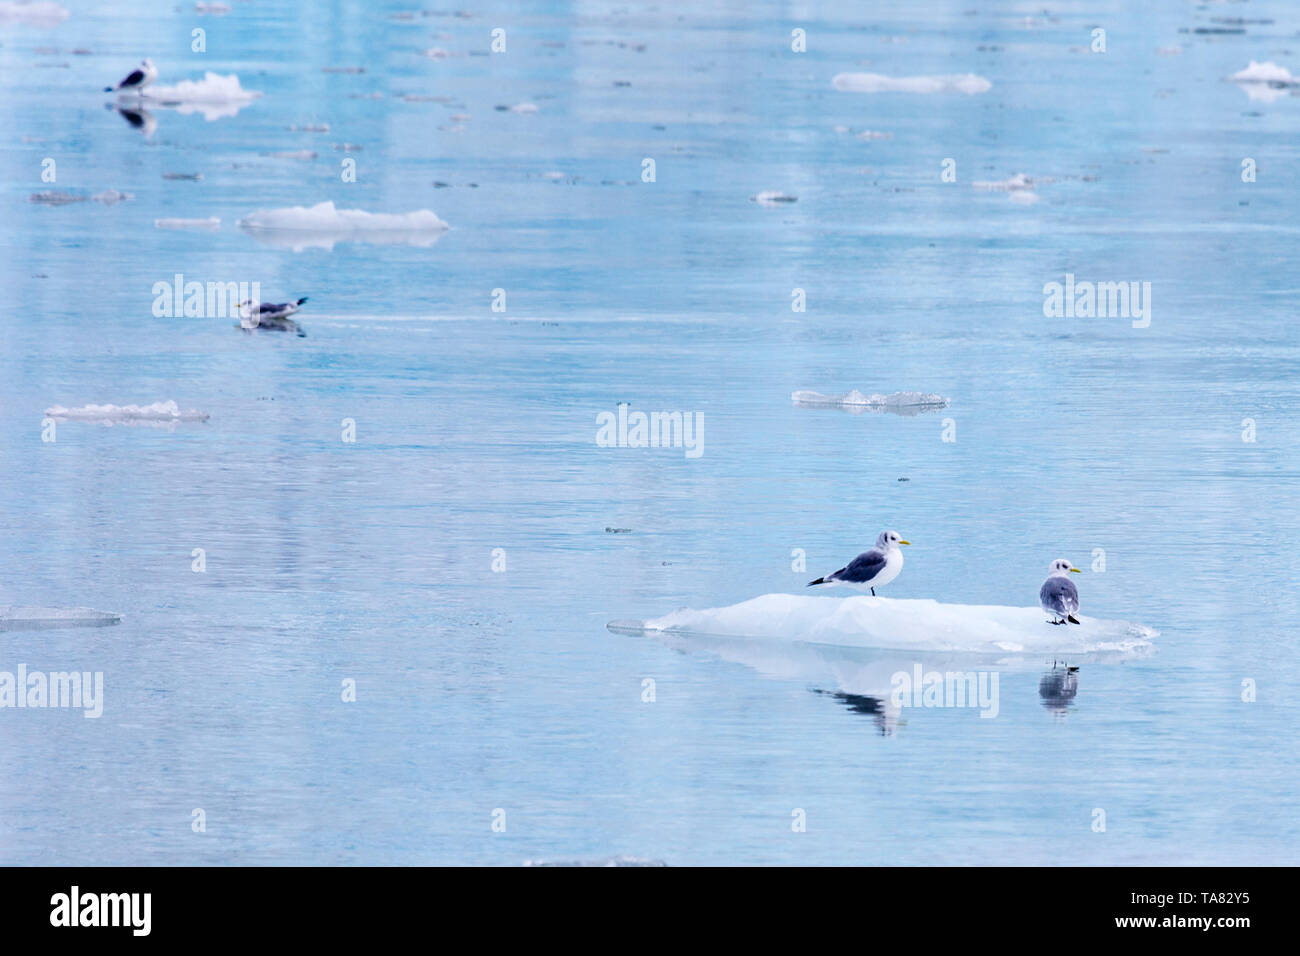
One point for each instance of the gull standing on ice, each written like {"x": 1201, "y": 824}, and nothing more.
{"x": 871, "y": 569}
{"x": 136, "y": 80}
{"x": 1058, "y": 596}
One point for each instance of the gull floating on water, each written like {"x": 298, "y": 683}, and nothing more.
{"x": 271, "y": 315}
{"x": 136, "y": 80}
{"x": 871, "y": 569}
{"x": 1058, "y": 595}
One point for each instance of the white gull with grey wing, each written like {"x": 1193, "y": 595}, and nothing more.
{"x": 871, "y": 569}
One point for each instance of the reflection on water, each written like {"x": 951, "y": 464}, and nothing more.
{"x": 884, "y": 715}
{"x": 1058, "y": 688}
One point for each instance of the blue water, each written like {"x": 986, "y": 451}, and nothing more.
{"x": 372, "y": 560}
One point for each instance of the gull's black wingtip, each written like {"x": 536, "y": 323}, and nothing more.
{"x": 1072, "y": 619}
{"x": 302, "y": 300}
{"x": 818, "y": 581}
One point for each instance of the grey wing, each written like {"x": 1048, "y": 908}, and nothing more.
{"x": 134, "y": 78}
{"x": 865, "y": 567}
{"x": 273, "y": 307}
{"x": 1060, "y": 595}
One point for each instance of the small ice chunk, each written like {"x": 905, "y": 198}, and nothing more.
{"x": 54, "y": 197}
{"x": 1265, "y": 82}
{"x": 773, "y": 197}
{"x": 214, "y": 96}
{"x": 322, "y": 225}
{"x": 111, "y": 197}
{"x": 40, "y": 13}
{"x": 968, "y": 83}
{"x": 1010, "y": 184}
{"x": 211, "y": 224}
{"x": 897, "y": 403}
{"x": 164, "y": 412}
{"x": 15, "y": 617}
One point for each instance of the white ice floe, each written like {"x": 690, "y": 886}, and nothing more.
{"x": 968, "y": 83}
{"x": 38, "y": 13}
{"x": 214, "y": 96}
{"x": 211, "y": 224}
{"x": 903, "y": 625}
{"x": 773, "y": 197}
{"x": 165, "y": 413}
{"x": 15, "y": 617}
{"x": 872, "y": 134}
{"x": 322, "y": 225}
{"x": 1265, "y": 82}
{"x": 898, "y": 403}
{"x": 1010, "y": 184}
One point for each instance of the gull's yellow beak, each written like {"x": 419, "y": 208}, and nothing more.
{"x": 900, "y": 540}
{"x": 1075, "y": 571}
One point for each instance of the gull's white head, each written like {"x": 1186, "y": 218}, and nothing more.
{"x": 888, "y": 540}
{"x": 1062, "y": 566}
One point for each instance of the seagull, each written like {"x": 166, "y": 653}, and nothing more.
{"x": 136, "y": 80}
{"x": 1058, "y": 595}
{"x": 271, "y": 315}
{"x": 871, "y": 569}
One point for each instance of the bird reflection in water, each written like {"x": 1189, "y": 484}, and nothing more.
{"x": 882, "y": 714}
{"x": 1058, "y": 687}
{"x": 137, "y": 118}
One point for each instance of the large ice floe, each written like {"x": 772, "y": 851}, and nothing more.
{"x": 15, "y": 617}
{"x": 159, "y": 413}
{"x": 896, "y": 403}
{"x": 882, "y": 657}
{"x": 967, "y": 83}
{"x": 322, "y": 225}
{"x": 900, "y": 624}
{"x": 215, "y": 96}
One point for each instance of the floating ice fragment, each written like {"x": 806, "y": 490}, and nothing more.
{"x": 15, "y": 617}
{"x": 1010, "y": 184}
{"x": 39, "y": 13}
{"x": 1265, "y": 82}
{"x": 159, "y": 412}
{"x": 322, "y": 225}
{"x": 968, "y": 83}
{"x": 111, "y": 197}
{"x": 53, "y": 197}
{"x": 897, "y": 403}
{"x": 211, "y": 224}
{"x": 214, "y": 96}
{"x": 773, "y": 197}
{"x": 606, "y": 861}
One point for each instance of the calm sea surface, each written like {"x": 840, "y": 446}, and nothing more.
{"x": 371, "y": 561}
